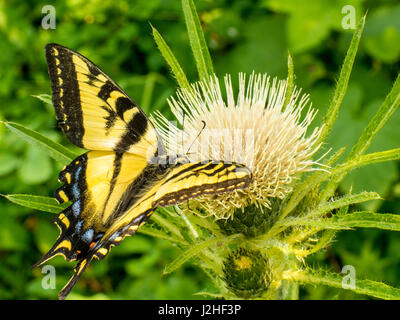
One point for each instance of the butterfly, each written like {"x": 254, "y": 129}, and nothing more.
{"x": 116, "y": 185}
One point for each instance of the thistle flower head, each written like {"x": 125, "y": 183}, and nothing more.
{"x": 256, "y": 129}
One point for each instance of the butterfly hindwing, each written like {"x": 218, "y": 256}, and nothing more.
{"x": 109, "y": 195}
{"x": 194, "y": 179}
{"x": 94, "y": 112}
{"x": 113, "y": 194}
{"x": 96, "y": 183}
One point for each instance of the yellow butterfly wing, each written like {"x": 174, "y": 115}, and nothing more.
{"x": 100, "y": 186}
{"x": 94, "y": 112}
{"x": 194, "y": 179}
{"x": 116, "y": 187}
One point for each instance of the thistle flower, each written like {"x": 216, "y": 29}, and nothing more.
{"x": 256, "y": 129}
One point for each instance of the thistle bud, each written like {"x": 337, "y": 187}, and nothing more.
{"x": 251, "y": 221}
{"x": 246, "y": 273}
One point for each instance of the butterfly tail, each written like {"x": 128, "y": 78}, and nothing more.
{"x": 79, "y": 269}
{"x": 61, "y": 247}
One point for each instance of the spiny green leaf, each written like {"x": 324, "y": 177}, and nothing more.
{"x": 290, "y": 80}
{"x": 205, "y": 223}
{"x": 153, "y": 232}
{"x": 361, "y": 219}
{"x": 343, "y": 202}
{"x": 166, "y": 223}
{"x": 170, "y": 59}
{"x": 388, "y": 107}
{"x": 194, "y": 250}
{"x": 365, "y": 219}
{"x": 210, "y": 294}
{"x": 46, "y": 204}
{"x": 52, "y": 148}
{"x": 326, "y": 238}
{"x": 367, "y": 287}
{"x": 341, "y": 86}
{"x": 371, "y": 158}
{"x": 197, "y": 40}
{"x": 335, "y": 157}
{"x": 361, "y": 161}
{"x": 311, "y": 218}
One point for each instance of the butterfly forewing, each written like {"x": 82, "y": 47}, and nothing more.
{"x": 94, "y": 112}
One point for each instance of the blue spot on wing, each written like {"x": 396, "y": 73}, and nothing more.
{"x": 78, "y": 226}
{"x": 88, "y": 236}
{"x": 77, "y": 173}
{"x": 76, "y": 207}
{"x": 75, "y": 190}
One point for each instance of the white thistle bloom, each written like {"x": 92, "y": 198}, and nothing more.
{"x": 255, "y": 129}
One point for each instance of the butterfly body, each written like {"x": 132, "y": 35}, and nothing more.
{"x": 116, "y": 186}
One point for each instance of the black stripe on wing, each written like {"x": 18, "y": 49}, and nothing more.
{"x": 66, "y": 96}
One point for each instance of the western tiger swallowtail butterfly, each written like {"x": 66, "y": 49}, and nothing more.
{"x": 126, "y": 174}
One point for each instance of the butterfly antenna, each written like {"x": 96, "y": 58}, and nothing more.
{"x": 198, "y": 135}
{"x": 183, "y": 125}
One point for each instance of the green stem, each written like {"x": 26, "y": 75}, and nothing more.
{"x": 290, "y": 289}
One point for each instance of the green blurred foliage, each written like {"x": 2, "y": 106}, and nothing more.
{"x": 243, "y": 36}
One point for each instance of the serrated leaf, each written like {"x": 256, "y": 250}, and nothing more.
{"x": 290, "y": 80}
{"x": 386, "y": 110}
{"x": 170, "y": 58}
{"x": 367, "y": 287}
{"x": 341, "y": 86}
{"x": 361, "y": 161}
{"x": 368, "y": 135}
{"x": 343, "y": 202}
{"x": 360, "y": 219}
